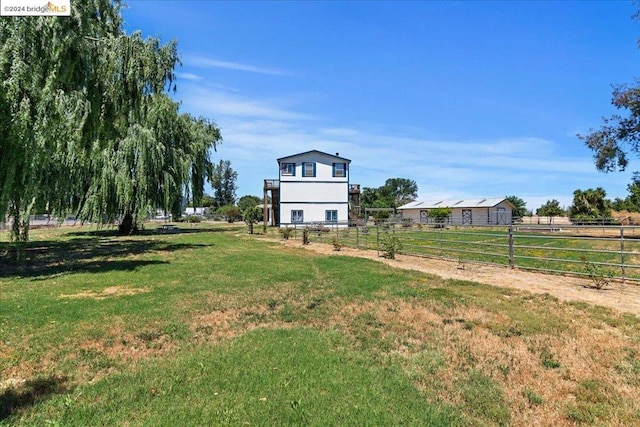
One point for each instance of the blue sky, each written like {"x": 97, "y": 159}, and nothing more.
{"x": 469, "y": 99}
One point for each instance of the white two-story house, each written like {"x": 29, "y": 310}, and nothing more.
{"x": 313, "y": 187}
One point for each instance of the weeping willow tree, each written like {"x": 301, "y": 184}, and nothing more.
{"x": 153, "y": 165}
{"x": 87, "y": 125}
{"x": 47, "y": 87}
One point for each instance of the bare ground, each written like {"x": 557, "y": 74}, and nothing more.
{"x": 619, "y": 296}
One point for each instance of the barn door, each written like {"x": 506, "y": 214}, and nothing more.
{"x": 501, "y": 216}
{"x": 466, "y": 217}
{"x": 424, "y": 217}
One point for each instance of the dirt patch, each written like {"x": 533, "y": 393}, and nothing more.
{"x": 619, "y": 296}
{"x": 110, "y": 292}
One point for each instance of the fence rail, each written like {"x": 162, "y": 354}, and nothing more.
{"x": 566, "y": 249}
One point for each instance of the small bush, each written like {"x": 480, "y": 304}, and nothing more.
{"x": 337, "y": 244}
{"x": 390, "y": 246}
{"x": 286, "y": 232}
{"x": 193, "y": 219}
{"x": 599, "y": 276}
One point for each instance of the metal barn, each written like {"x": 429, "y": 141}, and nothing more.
{"x": 479, "y": 211}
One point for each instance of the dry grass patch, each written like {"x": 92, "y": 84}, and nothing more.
{"x": 110, "y": 292}
{"x": 541, "y": 376}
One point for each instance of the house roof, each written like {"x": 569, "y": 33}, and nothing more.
{"x": 336, "y": 156}
{"x": 487, "y": 202}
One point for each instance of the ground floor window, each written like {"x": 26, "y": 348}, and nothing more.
{"x": 331, "y": 216}
{"x": 297, "y": 216}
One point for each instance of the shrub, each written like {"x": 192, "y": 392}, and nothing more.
{"x": 251, "y": 216}
{"x": 599, "y": 276}
{"x": 390, "y": 246}
{"x": 286, "y": 232}
{"x": 230, "y": 212}
{"x": 193, "y": 219}
{"x": 337, "y": 245}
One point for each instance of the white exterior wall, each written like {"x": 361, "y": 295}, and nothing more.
{"x": 314, "y": 195}
{"x": 314, "y": 192}
{"x": 479, "y": 216}
{"x": 312, "y": 212}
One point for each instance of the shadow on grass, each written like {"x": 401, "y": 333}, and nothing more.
{"x": 13, "y": 401}
{"x": 85, "y": 255}
{"x": 149, "y": 231}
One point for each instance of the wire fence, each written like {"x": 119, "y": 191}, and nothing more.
{"x": 611, "y": 251}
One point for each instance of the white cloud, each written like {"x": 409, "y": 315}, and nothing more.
{"x": 205, "y": 62}
{"x": 188, "y": 76}
{"x": 221, "y": 104}
{"x": 257, "y": 131}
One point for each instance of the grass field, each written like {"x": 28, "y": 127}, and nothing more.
{"x": 210, "y": 326}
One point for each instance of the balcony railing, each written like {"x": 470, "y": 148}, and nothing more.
{"x": 271, "y": 183}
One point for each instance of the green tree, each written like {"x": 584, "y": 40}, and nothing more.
{"x": 394, "y": 193}
{"x": 207, "y": 200}
{"x": 633, "y": 199}
{"x": 49, "y": 103}
{"x": 86, "y": 123}
{"x": 251, "y": 216}
{"x": 520, "y": 206}
{"x": 380, "y": 215}
{"x": 550, "y": 209}
{"x": 399, "y": 191}
{"x": 440, "y": 215}
{"x": 590, "y": 204}
{"x": 223, "y": 182}
{"x": 248, "y": 201}
{"x": 619, "y": 134}
{"x": 630, "y": 203}
{"x": 150, "y": 166}
{"x": 230, "y": 212}
{"x": 619, "y": 204}
{"x": 368, "y": 197}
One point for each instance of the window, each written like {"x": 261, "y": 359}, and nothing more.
{"x": 331, "y": 216}
{"x": 309, "y": 169}
{"x": 340, "y": 169}
{"x": 297, "y": 216}
{"x": 288, "y": 169}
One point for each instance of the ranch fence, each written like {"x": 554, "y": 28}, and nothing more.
{"x": 589, "y": 250}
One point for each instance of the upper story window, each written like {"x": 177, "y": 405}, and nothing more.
{"x": 339, "y": 169}
{"x": 309, "y": 169}
{"x": 288, "y": 169}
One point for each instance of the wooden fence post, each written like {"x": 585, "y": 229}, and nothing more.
{"x": 623, "y": 269}
{"x": 511, "y": 248}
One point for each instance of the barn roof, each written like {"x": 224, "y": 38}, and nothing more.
{"x": 487, "y": 202}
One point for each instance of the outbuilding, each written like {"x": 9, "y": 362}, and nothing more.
{"x": 479, "y": 211}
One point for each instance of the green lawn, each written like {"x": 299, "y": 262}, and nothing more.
{"x": 210, "y": 326}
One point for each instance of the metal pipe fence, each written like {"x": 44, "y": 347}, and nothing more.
{"x": 613, "y": 251}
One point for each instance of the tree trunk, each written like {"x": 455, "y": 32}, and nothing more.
{"x": 128, "y": 225}
{"x": 19, "y": 232}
